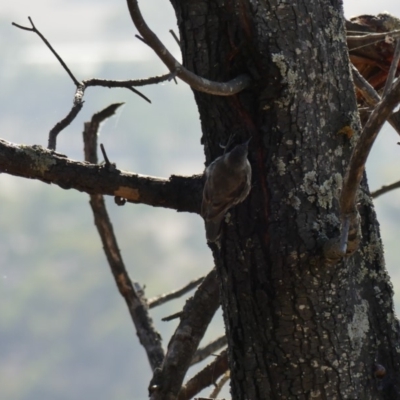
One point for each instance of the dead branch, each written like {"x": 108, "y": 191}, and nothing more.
{"x": 81, "y": 87}
{"x": 349, "y": 238}
{"x": 393, "y": 69}
{"x": 128, "y": 83}
{"x": 385, "y": 189}
{"x": 197, "y": 314}
{"x": 174, "y": 294}
{"x": 355, "y": 42}
{"x": 60, "y": 60}
{"x": 206, "y": 351}
{"x": 172, "y": 316}
{"x": 206, "y": 377}
{"x": 220, "y": 385}
{"x": 132, "y": 293}
{"x": 348, "y": 241}
{"x": 234, "y": 86}
{"x": 35, "y": 162}
{"x": 360, "y": 154}
{"x": 372, "y": 97}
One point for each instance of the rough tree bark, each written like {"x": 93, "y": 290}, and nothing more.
{"x": 298, "y": 326}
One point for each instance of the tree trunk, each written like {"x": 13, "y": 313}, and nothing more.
{"x": 297, "y": 326}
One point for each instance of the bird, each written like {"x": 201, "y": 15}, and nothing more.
{"x": 227, "y": 183}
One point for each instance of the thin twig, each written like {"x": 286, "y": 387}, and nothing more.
{"x": 385, "y": 189}
{"x": 171, "y": 31}
{"x": 393, "y": 69}
{"x": 206, "y": 377}
{"x": 236, "y": 85}
{"x": 81, "y": 87}
{"x": 128, "y": 83}
{"x": 357, "y": 41}
{"x": 206, "y": 351}
{"x": 220, "y": 385}
{"x": 156, "y": 301}
{"x": 197, "y": 314}
{"x": 59, "y": 126}
{"x": 60, "y": 60}
{"x": 172, "y": 316}
{"x": 103, "y": 151}
{"x": 131, "y": 292}
{"x": 140, "y": 94}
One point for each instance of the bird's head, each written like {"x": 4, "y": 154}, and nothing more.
{"x": 238, "y": 155}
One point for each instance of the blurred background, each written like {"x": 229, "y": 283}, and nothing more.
{"x": 65, "y": 332}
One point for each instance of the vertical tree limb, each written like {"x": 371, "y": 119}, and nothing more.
{"x": 196, "y": 316}
{"x": 131, "y": 292}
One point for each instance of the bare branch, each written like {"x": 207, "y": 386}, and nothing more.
{"x": 206, "y": 377}
{"x": 35, "y": 162}
{"x": 172, "y": 316}
{"x": 81, "y": 87}
{"x": 59, "y": 126}
{"x": 393, "y": 69}
{"x": 355, "y": 42}
{"x": 206, "y": 351}
{"x": 367, "y": 91}
{"x": 372, "y": 97}
{"x": 132, "y": 293}
{"x": 129, "y": 83}
{"x": 385, "y": 189}
{"x": 220, "y": 385}
{"x": 198, "y": 83}
{"x": 91, "y": 129}
{"x": 360, "y": 154}
{"x": 60, "y": 60}
{"x": 338, "y": 247}
{"x": 197, "y": 314}
{"x": 175, "y": 294}
{"x": 171, "y": 31}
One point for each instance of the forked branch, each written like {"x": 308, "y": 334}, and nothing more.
{"x": 347, "y": 243}
{"x": 81, "y": 87}
{"x": 131, "y": 292}
{"x": 361, "y": 151}
{"x": 236, "y": 85}
{"x": 206, "y": 377}
{"x": 195, "y": 318}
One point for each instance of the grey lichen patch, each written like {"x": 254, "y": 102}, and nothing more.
{"x": 373, "y": 251}
{"x": 280, "y": 166}
{"x": 332, "y": 219}
{"x": 338, "y": 151}
{"x": 332, "y": 28}
{"x": 289, "y": 76}
{"x": 40, "y": 157}
{"x": 354, "y": 123}
{"x": 359, "y": 326}
{"x": 310, "y": 186}
{"x": 294, "y": 201}
{"x": 324, "y": 193}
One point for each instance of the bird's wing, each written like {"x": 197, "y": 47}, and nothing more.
{"x": 213, "y": 207}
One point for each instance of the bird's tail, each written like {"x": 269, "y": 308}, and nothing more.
{"x": 213, "y": 228}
